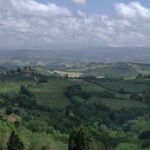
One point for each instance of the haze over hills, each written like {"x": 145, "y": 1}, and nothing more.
{"x": 65, "y": 56}
{"x": 74, "y": 75}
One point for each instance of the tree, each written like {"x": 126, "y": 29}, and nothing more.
{"x": 25, "y": 91}
{"x": 79, "y": 139}
{"x": 66, "y": 76}
{"x": 17, "y": 124}
{"x": 18, "y": 70}
{"x": 145, "y": 135}
{"x": 9, "y": 110}
{"x": 14, "y": 142}
{"x": 67, "y": 112}
{"x": 43, "y": 79}
{"x": 121, "y": 91}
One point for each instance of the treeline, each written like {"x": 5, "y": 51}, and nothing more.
{"x": 142, "y": 97}
{"x": 25, "y": 98}
{"x": 26, "y": 73}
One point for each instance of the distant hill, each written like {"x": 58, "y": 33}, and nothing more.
{"x": 100, "y": 70}
{"x": 12, "y": 58}
{"x": 120, "y": 70}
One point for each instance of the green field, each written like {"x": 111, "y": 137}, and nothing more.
{"x": 110, "y": 69}
{"x": 51, "y": 93}
{"x": 127, "y": 85}
{"x": 119, "y": 104}
{"x": 12, "y": 86}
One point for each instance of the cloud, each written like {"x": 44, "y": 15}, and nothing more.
{"x": 31, "y": 7}
{"x": 80, "y": 2}
{"x": 31, "y": 24}
{"x": 132, "y": 10}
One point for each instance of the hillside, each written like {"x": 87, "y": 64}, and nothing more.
{"x": 99, "y": 70}
{"x": 115, "y": 110}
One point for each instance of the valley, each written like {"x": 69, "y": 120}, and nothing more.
{"x": 44, "y": 105}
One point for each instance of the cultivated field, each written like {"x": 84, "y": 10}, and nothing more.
{"x": 66, "y": 74}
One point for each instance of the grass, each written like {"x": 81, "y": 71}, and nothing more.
{"x": 91, "y": 87}
{"x": 12, "y": 86}
{"x": 119, "y": 104}
{"x": 127, "y": 85}
{"x": 52, "y": 93}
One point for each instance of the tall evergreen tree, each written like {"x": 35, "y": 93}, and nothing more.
{"x": 79, "y": 139}
{"x": 14, "y": 142}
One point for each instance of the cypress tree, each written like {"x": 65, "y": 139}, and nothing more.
{"x": 14, "y": 142}
{"x": 79, "y": 139}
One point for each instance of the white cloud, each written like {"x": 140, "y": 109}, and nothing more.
{"x": 19, "y": 24}
{"x": 29, "y": 24}
{"x": 132, "y": 10}
{"x": 32, "y": 7}
{"x": 80, "y": 1}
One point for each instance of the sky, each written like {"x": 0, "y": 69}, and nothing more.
{"x": 48, "y": 24}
